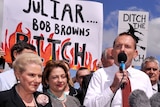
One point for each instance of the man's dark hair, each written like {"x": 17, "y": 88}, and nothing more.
{"x": 125, "y": 33}
{"x": 19, "y": 47}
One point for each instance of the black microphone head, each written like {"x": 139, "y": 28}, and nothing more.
{"x": 122, "y": 57}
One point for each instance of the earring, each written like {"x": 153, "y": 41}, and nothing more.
{"x": 18, "y": 81}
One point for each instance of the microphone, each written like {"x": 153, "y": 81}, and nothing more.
{"x": 122, "y": 58}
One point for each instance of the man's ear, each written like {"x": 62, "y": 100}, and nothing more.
{"x": 135, "y": 54}
{"x": 15, "y": 54}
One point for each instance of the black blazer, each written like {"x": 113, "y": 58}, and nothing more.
{"x": 158, "y": 87}
{"x": 82, "y": 91}
{"x": 10, "y": 98}
{"x": 72, "y": 91}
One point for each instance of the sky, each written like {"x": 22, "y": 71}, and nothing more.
{"x": 110, "y": 19}
{"x": 110, "y": 10}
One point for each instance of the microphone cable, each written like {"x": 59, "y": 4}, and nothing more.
{"x": 117, "y": 89}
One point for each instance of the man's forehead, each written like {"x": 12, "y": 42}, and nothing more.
{"x": 27, "y": 51}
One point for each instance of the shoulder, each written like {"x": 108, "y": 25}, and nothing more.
{"x": 73, "y": 91}
{"x": 100, "y": 71}
{"x": 105, "y": 72}
{"x": 72, "y": 99}
{"x": 87, "y": 78}
{"x": 7, "y": 73}
{"x": 5, "y": 95}
{"x": 6, "y": 99}
{"x": 138, "y": 72}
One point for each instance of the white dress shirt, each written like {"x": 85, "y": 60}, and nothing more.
{"x": 8, "y": 79}
{"x": 99, "y": 93}
{"x": 155, "y": 88}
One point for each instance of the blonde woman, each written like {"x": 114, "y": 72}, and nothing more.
{"x": 28, "y": 71}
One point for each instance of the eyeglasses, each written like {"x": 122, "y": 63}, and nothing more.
{"x": 149, "y": 69}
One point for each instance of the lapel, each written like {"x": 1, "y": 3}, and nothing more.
{"x": 35, "y": 96}
{"x": 158, "y": 87}
{"x": 18, "y": 101}
{"x": 16, "y": 98}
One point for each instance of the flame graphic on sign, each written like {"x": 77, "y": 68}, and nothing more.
{"x": 45, "y": 52}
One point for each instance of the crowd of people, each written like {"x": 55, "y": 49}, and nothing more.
{"x": 30, "y": 84}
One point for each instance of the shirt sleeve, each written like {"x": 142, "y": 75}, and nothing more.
{"x": 0, "y": 84}
{"x": 98, "y": 93}
{"x": 149, "y": 90}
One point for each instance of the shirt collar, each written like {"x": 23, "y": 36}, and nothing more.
{"x": 129, "y": 69}
{"x": 155, "y": 88}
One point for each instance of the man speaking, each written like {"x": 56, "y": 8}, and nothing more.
{"x": 108, "y": 86}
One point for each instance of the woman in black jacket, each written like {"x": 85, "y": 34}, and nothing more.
{"x": 28, "y": 71}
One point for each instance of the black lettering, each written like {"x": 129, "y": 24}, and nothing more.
{"x": 144, "y": 18}
{"x": 81, "y": 31}
{"x": 68, "y": 30}
{"x": 38, "y": 39}
{"x": 35, "y": 26}
{"x": 37, "y": 7}
{"x": 138, "y": 18}
{"x": 42, "y": 9}
{"x": 48, "y": 28}
{"x": 67, "y": 8}
{"x": 125, "y": 17}
{"x": 54, "y": 42}
{"x": 56, "y": 31}
{"x": 42, "y": 25}
{"x": 87, "y": 31}
{"x": 63, "y": 30}
{"x": 75, "y": 31}
{"x": 55, "y": 9}
{"x": 139, "y": 58}
{"x": 134, "y": 17}
{"x": 29, "y": 7}
{"x": 63, "y": 49}
{"x": 78, "y": 13}
{"x": 21, "y": 37}
{"x": 81, "y": 54}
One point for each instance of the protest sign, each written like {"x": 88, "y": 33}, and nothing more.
{"x": 136, "y": 23}
{"x": 60, "y": 29}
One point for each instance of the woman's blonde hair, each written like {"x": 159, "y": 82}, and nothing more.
{"x": 24, "y": 59}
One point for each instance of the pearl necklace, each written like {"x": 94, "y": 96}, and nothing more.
{"x": 60, "y": 99}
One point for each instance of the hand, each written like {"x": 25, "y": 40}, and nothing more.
{"x": 2, "y": 53}
{"x": 119, "y": 78}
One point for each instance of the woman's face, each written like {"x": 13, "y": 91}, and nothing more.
{"x": 30, "y": 78}
{"x": 57, "y": 80}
